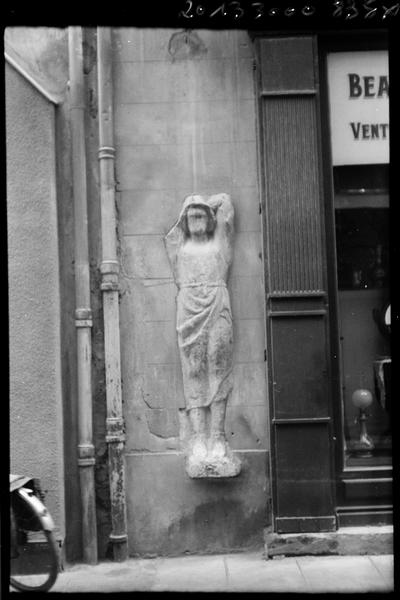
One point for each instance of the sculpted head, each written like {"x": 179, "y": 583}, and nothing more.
{"x": 199, "y": 217}
{"x": 197, "y": 221}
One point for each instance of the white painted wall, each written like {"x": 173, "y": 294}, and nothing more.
{"x": 36, "y": 431}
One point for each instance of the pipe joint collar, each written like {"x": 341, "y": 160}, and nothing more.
{"x": 115, "y": 430}
{"x": 84, "y": 323}
{"x": 118, "y": 538}
{"x": 86, "y": 462}
{"x": 106, "y": 152}
{"x": 109, "y": 270}
{"x": 116, "y": 438}
{"x": 83, "y": 314}
{"x": 110, "y": 286}
{"x": 85, "y": 451}
{"x": 109, "y": 267}
{"x": 115, "y": 425}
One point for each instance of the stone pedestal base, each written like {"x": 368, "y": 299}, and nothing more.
{"x": 221, "y": 468}
{"x": 211, "y": 460}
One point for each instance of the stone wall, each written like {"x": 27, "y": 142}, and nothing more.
{"x": 185, "y": 122}
{"x": 36, "y": 425}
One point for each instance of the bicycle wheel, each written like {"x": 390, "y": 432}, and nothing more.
{"x": 35, "y": 565}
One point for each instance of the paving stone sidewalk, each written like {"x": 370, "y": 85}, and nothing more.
{"x": 241, "y": 572}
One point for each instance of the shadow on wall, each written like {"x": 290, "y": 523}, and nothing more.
{"x": 227, "y": 518}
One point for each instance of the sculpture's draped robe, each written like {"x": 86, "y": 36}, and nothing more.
{"x": 204, "y": 326}
{"x": 204, "y": 318}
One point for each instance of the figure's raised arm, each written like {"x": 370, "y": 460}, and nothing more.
{"x": 222, "y": 206}
{"x": 174, "y": 240}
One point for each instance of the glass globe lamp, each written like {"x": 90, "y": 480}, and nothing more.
{"x": 362, "y": 399}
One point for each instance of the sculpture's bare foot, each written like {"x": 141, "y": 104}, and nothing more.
{"x": 196, "y": 457}
{"x": 199, "y": 447}
{"x": 222, "y": 462}
{"x": 219, "y": 449}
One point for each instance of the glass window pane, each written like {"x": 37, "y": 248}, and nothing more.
{"x": 362, "y": 249}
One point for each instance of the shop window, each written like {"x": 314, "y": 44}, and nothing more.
{"x": 362, "y": 255}
{"x": 360, "y": 150}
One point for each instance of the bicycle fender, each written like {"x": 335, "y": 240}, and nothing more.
{"x": 19, "y": 481}
{"x": 38, "y": 508}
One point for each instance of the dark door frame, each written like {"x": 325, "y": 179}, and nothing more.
{"x": 302, "y": 468}
{"x": 375, "y": 508}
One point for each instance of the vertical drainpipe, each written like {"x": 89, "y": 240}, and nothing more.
{"x": 110, "y": 287}
{"x": 83, "y": 313}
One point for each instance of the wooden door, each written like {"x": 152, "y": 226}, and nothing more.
{"x": 296, "y": 293}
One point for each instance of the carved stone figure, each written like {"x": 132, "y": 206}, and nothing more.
{"x": 199, "y": 248}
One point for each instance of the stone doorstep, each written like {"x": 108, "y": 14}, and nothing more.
{"x": 345, "y": 541}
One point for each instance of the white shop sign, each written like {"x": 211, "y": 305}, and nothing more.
{"x": 359, "y": 107}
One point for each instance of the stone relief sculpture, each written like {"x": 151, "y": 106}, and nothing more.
{"x": 199, "y": 248}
